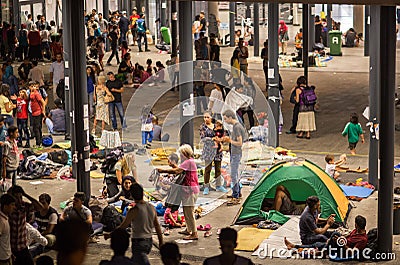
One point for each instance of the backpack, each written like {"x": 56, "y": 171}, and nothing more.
{"x": 60, "y": 157}
{"x": 110, "y": 218}
{"x": 308, "y": 96}
{"x": 372, "y": 242}
{"x": 107, "y": 167}
{"x": 60, "y": 90}
{"x": 140, "y": 25}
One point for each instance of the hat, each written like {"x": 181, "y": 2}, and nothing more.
{"x": 110, "y": 73}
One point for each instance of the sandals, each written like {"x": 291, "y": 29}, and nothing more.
{"x": 208, "y": 234}
{"x": 299, "y": 136}
{"x": 190, "y": 237}
{"x": 166, "y": 232}
{"x": 207, "y": 227}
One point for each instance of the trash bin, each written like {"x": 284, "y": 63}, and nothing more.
{"x": 335, "y": 42}
{"x": 396, "y": 220}
{"x": 166, "y": 35}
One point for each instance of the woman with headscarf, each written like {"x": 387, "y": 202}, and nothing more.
{"x": 10, "y": 79}
{"x": 283, "y": 36}
{"x": 124, "y": 194}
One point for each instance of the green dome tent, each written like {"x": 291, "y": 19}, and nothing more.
{"x": 302, "y": 179}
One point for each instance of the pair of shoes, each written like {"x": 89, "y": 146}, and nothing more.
{"x": 108, "y": 64}
{"x": 147, "y": 50}
{"x": 299, "y": 136}
{"x": 221, "y": 189}
{"x": 140, "y": 50}
{"x": 190, "y": 238}
{"x": 233, "y": 201}
{"x": 206, "y": 227}
{"x": 290, "y": 132}
{"x": 166, "y": 232}
{"x": 308, "y": 137}
{"x": 207, "y": 234}
{"x": 206, "y": 191}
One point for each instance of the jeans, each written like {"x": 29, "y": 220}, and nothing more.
{"x": 141, "y": 247}
{"x": 175, "y": 80}
{"x": 12, "y": 174}
{"x": 235, "y": 161}
{"x": 50, "y": 125}
{"x": 122, "y": 37}
{"x": 120, "y": 109}
{"x": 37, "y": 128}
{"x": 8, "y": 120}
{"x": 139, "y": 40}
{"x": 36, "y": 249}
{"x": 146, "y": 135}
{"x": 114, "y": 52}
{"x": 23, "y": 127}
{"x": 201, "y": 99}
{"x": 321, "y": 244}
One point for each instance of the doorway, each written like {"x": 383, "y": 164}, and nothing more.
{"x": 34, "y": 7}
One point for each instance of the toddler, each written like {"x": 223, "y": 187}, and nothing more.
{"x": 354, "y": 132}
{"x": 331, "y": 165}
{"x": 173, "y": 219}
{"x": 219, "y": 133}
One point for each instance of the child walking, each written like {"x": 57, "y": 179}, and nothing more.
{"x": 147, "y": 129}
{"x": 354, "y": 132}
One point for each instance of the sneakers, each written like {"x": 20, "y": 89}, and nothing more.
{"x": 221, "y": 189}
{"x": 206, "y": 191}
{"x": 233, "y": 201}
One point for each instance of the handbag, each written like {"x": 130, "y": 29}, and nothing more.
{"x": 174, "y": 197}
{"x": 108, "y": 98}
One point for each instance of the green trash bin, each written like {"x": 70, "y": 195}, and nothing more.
{"x": 335, "y": 42}
{"x": 166, "y": 34}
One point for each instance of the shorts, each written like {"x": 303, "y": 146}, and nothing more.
{"x": 352, "y": 146}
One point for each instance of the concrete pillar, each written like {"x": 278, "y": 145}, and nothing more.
{"x": 213, "y": 17}
{"x": 256, "y": 34}
{"x": 186, "y": 71}
{"x": 374, "y": 95}
{"x": 358, "y": 18}
{"x": 296, "y": 21}
{"x": 273, "y": 79}
{"x": 311, "y": 27}
{"x": 232, "y": 13}
{"x": 387, "y": 61}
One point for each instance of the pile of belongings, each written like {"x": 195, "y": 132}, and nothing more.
{"x": 34, "y": 167}
{"x": 268, "y": 224}
{"x": 283, "y": 154}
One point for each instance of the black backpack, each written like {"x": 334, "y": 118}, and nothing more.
{"x": 60, "y": 157}
{"x": 108, "y": 164}
{"x": 111, "y": 219}
{"x": 60, "y": 90}
{"x": 372, "y": 242}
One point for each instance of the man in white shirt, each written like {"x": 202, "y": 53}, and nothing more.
{"x": 45, "y": 37}
{"x": 7, "y": 203}
{"x": 56, "y": 73}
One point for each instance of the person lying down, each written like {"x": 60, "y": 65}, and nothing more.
{"x": 283, "y": 203}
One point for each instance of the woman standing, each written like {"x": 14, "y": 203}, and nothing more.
{"x": 210, "y": 153}
{"x": 91, "y": 81}
{"x": 6, "y": 105}
{"x": 306, "y": 120}
{"x": 283, "y": 36}
{"x": 102, "y": 113}
{"x": 190, "y": 189}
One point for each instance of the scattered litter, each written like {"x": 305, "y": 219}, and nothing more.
{"x": 182, "y": 241}
{"x": 36, "y": 182}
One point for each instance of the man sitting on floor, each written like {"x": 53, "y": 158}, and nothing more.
{"x": 356, "y": 241}
{"x": 310, "y": 233}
